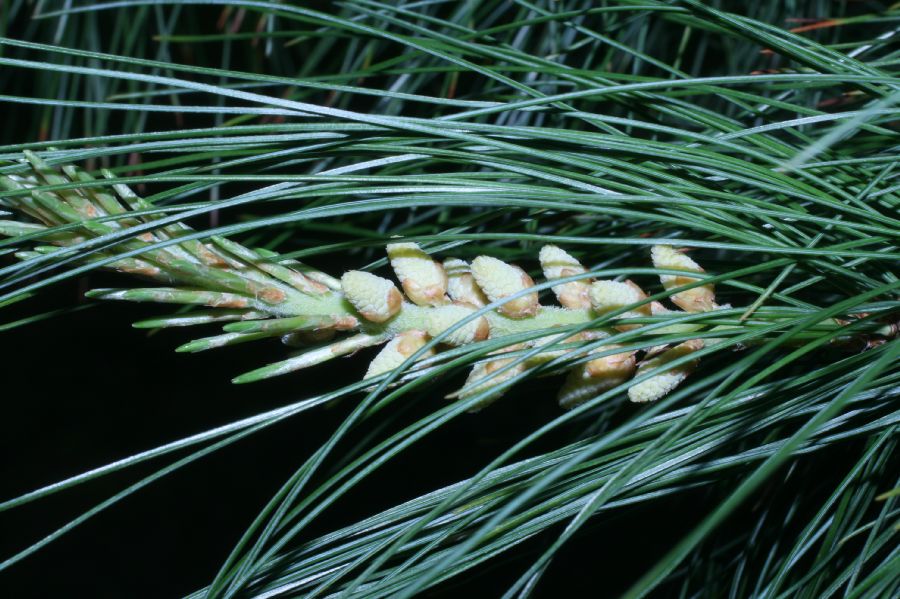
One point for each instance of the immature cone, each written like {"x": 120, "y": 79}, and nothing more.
{"x": 438, "y": 320}
{"x": 615, "y": 366}
{"x": 658, "y": 309}
{"x": 461, "y": 285}
{"x": 500, "y": 280}
{"x": 397, "y": 350}
{"x": 486, "y": 370}
{"x": 558, "y": 264}
{"x": 593, "y": 378}
{"x": 551, "y": 354}
{"x": 376, "y": 299}
{"x": 661, "y": 384}
{"x": 607, "y": 296}
{"x": 580, "y": 387}
{"x": 423, "y": 279}
{"x": 698, "y": 299}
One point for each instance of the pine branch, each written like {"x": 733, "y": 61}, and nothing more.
{"x": 451, "y": 304}
{"x": 465, "y": 137}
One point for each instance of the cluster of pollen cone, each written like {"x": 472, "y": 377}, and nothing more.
{"x": 439, "y": 301}
{"x": 455, "y": 289}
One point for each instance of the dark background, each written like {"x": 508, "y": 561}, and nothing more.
{"x": 85, "y": 389}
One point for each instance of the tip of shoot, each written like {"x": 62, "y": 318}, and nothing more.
{"x": 191, "y": 347}
{"x": 243, "y": 379}
{"x": 258, "y": 374}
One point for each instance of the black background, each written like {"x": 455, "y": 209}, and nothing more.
{"x": 85, "y": 389}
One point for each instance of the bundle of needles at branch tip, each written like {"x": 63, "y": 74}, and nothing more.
{"x": 442, "y": 304}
